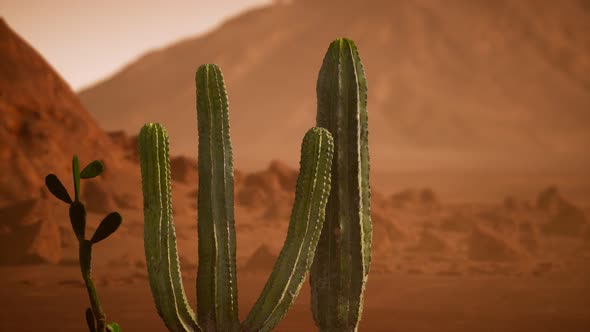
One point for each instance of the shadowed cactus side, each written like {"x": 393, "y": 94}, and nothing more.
{"x": 216, "y": 277}
{"x": 341, "y": 264}
{"x": 95, "y": 317}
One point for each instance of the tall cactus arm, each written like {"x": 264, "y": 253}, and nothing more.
{"x": 307, "y": 218}
{"x": 159, "y": 235}
{"x": 217, "y": 297}
{"x": 340, "y": 268}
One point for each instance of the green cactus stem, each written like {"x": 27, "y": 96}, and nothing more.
{"x": 307, "y": 218}
{"x": 217, "y": 295}
{"x": 217, "y": 298}
{"x": 341, "y": 265}
{"x": 159, "y": 235}
{"x": 76, "y": 175}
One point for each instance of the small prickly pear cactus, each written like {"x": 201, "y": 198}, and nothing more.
{"x": 95, "y": 317}
{"x": 341, "y": 264}
{"x": 217, "y": 297}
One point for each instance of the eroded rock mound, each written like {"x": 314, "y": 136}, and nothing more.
{"x": 96, "y": 197}
{"x": 497, "y": 219}
{"x": 29, "y": 233}
{"x": 262, "y": 260}
{"x": 386, "y": 232}
{"x": 430, "y": 242}
{"x": 456, "y": 222}
{"x": 423, "y": 198}
{"x": 184, "y": 169}
{"x": 527, "y": 236}
{"x": 42, "y": 122}
{"x": 286, "y": 175}
{"x": 272, "y": 190}
{"x": 129, "y": 144}
{"x": 483, "y": 244}
{"x": 565, "y": 219}
{"x": 42, "y": 125}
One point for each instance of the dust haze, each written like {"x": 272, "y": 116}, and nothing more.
{"x": 479, "y": 127}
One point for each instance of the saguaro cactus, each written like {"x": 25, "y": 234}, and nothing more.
{"x": 216, "y": 279}
{"x": 341, "y": 264}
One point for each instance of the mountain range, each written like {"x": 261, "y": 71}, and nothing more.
{"x": 455, "y": 85}
{"x": 429, "y": 256}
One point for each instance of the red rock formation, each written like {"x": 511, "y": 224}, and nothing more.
{"x": 272, "y": 189}
{"x": 483, "y": 244}
{"x": 42, "y": 122}
{"x": 184, "y": 169}
{"x": 262, "y": 260}
{"x": 29, "y": 234}
{"x": 42, "y": 125}
{"x": 128, "y": 143}
{"x": 565, "y": 218}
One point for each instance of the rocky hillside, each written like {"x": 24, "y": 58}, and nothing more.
{"x": 415, "y": 231}
{"x": 42, "y": 122}
{"x": 42, "y": 125}
{"x": 454, "y": 85}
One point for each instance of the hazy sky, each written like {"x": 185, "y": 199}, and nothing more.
{"x": 88, "y": 40}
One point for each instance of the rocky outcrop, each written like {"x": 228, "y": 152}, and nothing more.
{"x": 272, "y": 189}
{"x": 29, "y": 233}
{"x": 42, "y": 123}
{"x": 564, "y": 218}
{"x": 424, "y": 198}
{"x": 184, "y": 169}
{"x": 485, "y": 245}
{"x": 262, "y": 260}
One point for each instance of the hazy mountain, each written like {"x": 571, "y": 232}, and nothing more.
{"x": 42, "y": 123}
{"x": 501, "y": 85}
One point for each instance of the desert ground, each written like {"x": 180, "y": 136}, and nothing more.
{"x": 510, "y": 266}
{"x": 395, "y": 302}
{"x": 479, "y": 166}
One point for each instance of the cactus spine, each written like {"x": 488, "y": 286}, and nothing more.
{"x": 341, "y": 265}
{"x": 216, "y": 280}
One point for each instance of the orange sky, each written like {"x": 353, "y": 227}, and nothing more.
{"x": 88, "y": 40}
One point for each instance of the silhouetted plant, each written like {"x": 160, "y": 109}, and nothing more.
{"x": 95, "y": 317}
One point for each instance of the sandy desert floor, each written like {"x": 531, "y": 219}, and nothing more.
{"x": 463, "y": 268}
{"x": 52, "y": 298}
